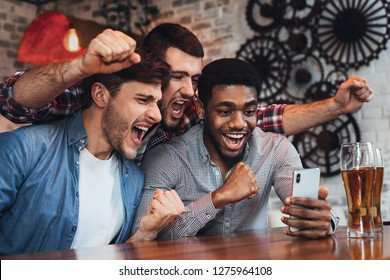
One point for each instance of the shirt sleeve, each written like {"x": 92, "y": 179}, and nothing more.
{"x": 194, "y": 217}
{"x": 270, "y": 119}
{"x": 65, "y": 105}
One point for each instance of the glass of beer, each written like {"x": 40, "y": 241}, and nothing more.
{"x": 357, "y": 164}
{"x": 376, "y": 209}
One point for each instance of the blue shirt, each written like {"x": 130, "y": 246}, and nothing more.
{"x": 39, "y": 181}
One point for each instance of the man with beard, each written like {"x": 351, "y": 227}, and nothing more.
{"x": 223, "y": 169}
{"x": 73, "y": 183}
{"x": 53, "y": 90}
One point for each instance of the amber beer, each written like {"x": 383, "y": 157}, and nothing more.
{"x": 359, "y": 186}
{"x": 376, "y": 209}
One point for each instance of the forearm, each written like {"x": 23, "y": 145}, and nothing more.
{"x": 40, "y": 85}
{"x": 300, "y": 117}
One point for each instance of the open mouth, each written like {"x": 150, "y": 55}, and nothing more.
{"x": 178, "y": 108}
{"x": 138, "y": 132}
{"x": 234, "y": 141}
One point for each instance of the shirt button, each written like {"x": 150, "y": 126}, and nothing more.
{"x": 74, "y": 229}
{"x": 82, "y": 141}
{"x": 77, "y": 163}
{"x": 77, "y": 194}
{"x": 208, "y": 216}
{"x": 227, "y": 224}
{"x": 72, "y": 140}
{"x": 217, "y": 173}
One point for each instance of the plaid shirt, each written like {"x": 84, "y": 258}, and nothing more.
{"x": 68, "y": 103}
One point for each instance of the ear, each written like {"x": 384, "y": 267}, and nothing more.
{"x": 100, "y": 95}
{"x": 200, "y": 109}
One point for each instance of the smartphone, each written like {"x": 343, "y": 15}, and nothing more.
{"x": 306, "y": 183}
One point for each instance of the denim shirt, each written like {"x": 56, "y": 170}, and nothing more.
{"x": 39, "y": 183}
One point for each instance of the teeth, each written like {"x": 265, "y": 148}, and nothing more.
{"x": 180, "y": 102}
{"x": 235, "y": 136}
{"x": 142, "y": 128}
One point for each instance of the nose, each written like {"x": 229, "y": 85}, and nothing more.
{"x": 237, "y": 121}
{"x": 154, "y": 114}
{"x": 187, "y": 89}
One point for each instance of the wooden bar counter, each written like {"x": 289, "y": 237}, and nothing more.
{"x": 269, "y": 244}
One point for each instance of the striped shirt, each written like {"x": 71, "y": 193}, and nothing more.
{"x": 184, "y": 164}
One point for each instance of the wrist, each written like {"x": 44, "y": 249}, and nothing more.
{"x": 217, "y": 199}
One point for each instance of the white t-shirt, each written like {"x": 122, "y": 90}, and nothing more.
{"x": 101, "y": 211}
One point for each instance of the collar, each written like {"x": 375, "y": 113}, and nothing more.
{"x": 76, "y": 131}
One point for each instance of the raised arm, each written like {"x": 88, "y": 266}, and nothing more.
{"x": 350, "y": 96}
{"x": 109, "y": 52}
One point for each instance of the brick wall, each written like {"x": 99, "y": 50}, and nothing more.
{"x": 221, "y": 26}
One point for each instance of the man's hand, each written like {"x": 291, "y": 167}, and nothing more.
{"x": 164, "y": 207}
{"x": 313, "y": 221}
{"x": 240, "y": 184}
{"x": 352, "y": 94}
{"x": 108, "y": 52}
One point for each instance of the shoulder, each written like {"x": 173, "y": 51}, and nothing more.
{"x": 178, "y": 149}
{"x": 269, "y": 141}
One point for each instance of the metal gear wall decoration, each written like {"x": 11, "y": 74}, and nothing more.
{"x": 300, "y": 12}
{"x": 306, "y": 71}
{"x": 320, "y": 146}
{"x": 351, "y": 33}
{"x": 270, "y": 59}
{"x": 299, "y": 41}
{"x": 264, "y": 15}
{"x": 295, "y": 41}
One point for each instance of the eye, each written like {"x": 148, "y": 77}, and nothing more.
{"x": 195, "y": 81}
{"x": 250, "y": 112}
{"x": 177, "y": 76}
{"x": 143, "y": 100}
{"x": 224, "y": 113}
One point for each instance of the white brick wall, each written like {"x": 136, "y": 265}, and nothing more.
{"x": 221, "y": 26}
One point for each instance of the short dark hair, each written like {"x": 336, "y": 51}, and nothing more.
{"x": 227, "y": 71}
{"x": 167, "y": 35}
{"x": 150, "y": 70}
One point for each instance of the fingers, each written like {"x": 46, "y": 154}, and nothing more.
{"x": 311, "y": 216}
{"x": 323, "y": 193}
{"x": 168, "y": 202}
{"x": 359, "y": 88}
{"x": 112, "y": 46}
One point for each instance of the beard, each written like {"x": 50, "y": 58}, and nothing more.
{"x": 114, "y": 129}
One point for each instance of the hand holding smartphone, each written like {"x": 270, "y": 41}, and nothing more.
{"x": 306, "y": 183}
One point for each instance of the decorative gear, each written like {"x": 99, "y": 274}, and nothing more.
{"x": 307, "y": 71}
{"x": 351, "y": 33}
{"x": 320, "y": 146}
{"x": 270, "y": 59}
{"x": 300, "y": 12}
{"x": 264, "y": 15}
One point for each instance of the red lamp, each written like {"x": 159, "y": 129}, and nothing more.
{"x": 54, "y": 37}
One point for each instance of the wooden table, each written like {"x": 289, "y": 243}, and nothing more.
{"x": 269, "y": 244}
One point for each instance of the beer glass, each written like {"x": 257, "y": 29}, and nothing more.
{"x": 376, "y": 209}
{"x": 358, "y": 172}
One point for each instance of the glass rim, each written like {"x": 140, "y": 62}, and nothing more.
{"x": 358, "y": 143}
